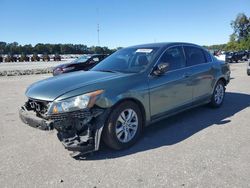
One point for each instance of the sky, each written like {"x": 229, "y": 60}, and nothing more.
{"x": 122, "y": 22}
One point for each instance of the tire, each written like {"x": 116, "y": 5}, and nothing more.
{"x": 114, "y": 133}
{"x": 218, "y": 95}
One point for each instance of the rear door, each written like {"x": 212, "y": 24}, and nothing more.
{"x": 172, "y": 90}
{"x": 199, "y": 65}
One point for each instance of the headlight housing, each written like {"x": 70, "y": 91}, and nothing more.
{"x": 68, "y": 69}
{"x": 75, "y": 103}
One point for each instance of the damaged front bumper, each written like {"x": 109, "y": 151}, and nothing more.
{"x": 79, "y": 131}
{"x": 30, "y": 118}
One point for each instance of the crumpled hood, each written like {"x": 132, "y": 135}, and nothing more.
{"x": 51, "y": 88}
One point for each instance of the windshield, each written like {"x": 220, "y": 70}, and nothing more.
{"x": 81, "y": 59}
{"x": 127, "y": 60}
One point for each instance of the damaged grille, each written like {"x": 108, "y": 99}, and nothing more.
{"x": 81, "y": 114}
{"x": 73, "y": 122}
{"x": 41, "y": 107}
{"x": 78, "y": 114}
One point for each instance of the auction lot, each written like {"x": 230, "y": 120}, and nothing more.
{"x": 30, "y": 65}
{"x": 202, "y": 147}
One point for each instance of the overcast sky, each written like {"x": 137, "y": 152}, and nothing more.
{"x": 122, "y": 23}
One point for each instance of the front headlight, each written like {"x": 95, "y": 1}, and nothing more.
{"x": 68, "y": 69}
{"x": 75, "y": 103}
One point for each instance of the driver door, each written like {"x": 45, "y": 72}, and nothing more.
{"x": 173, "y": 89}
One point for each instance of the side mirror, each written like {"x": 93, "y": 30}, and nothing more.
{"x": 161, "y": 69}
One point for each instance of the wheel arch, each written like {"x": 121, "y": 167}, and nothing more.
{"x": 223, "y": 80}
{"x": 137, "y": 102}
{"x": 216, "y": 81}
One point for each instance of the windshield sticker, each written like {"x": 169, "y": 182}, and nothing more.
{"x": 144, "y": 50}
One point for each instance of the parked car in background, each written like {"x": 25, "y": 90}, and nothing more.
{"x": 45, "y": 57}
{"x": 232, "y": 57}
{"x": 237, "y": 56}
{"x": 220, "y": 55}
{"x": 10, "y": 58}
{"x": 84, "y": 62}
{"x": 35, "y": 57}
{"x": 57, "y": 57}
{"x": 248, "y": 69}
{"x": 23, "y": 58}
{"x": 125, "y": 92}
{"x": 242, "y": 55}
{"x": 248, "y": 54}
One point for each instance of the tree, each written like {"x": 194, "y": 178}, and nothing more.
{"x": 40, "y": 48}
{"x": 27, "y": 49}
{"x": 13, "y": 48}
{"x": 241, "y": 26}
{"x": 2, "y": 47}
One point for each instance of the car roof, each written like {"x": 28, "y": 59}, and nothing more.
{"x": 162, "y": 45}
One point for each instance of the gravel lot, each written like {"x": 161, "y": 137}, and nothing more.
{"x": 29, "y": 68}
{"x": 202, "y": 147}
{"x": 30, "y": 65}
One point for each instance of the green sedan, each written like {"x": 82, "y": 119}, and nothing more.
{"x": 126, "y": 92}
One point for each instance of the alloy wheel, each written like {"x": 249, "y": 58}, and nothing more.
{"x": 126, "y": 125}
{"x": 219, "y": 94}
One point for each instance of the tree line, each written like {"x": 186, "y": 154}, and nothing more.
{"x": 40, "y": 48}
{"x": 240, "y": 38}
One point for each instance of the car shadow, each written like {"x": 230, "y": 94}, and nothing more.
{"x": 179, "y": 127}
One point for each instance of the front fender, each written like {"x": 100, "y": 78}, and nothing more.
{"x": 140, "y": 95}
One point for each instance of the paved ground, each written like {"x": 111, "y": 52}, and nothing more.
{"x": 200, "y": 148}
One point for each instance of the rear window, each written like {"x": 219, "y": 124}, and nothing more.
{"x": 194, "y": 55}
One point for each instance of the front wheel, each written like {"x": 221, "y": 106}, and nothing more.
{"x": 218, "y": 94}
{"x": 123, "y": 126}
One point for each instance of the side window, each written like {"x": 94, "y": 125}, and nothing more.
{"x": 174, "y": 57}
{"x": 194, "y": 55}
{"x": 208, "y": 56}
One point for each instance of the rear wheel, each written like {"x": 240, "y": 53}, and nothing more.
{"x": 123, "y": 127}
{"x": 218, "y": 94}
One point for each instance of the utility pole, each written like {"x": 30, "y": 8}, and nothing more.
{"x": 98, "y": 28}
{"x": 98, "y": 34}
